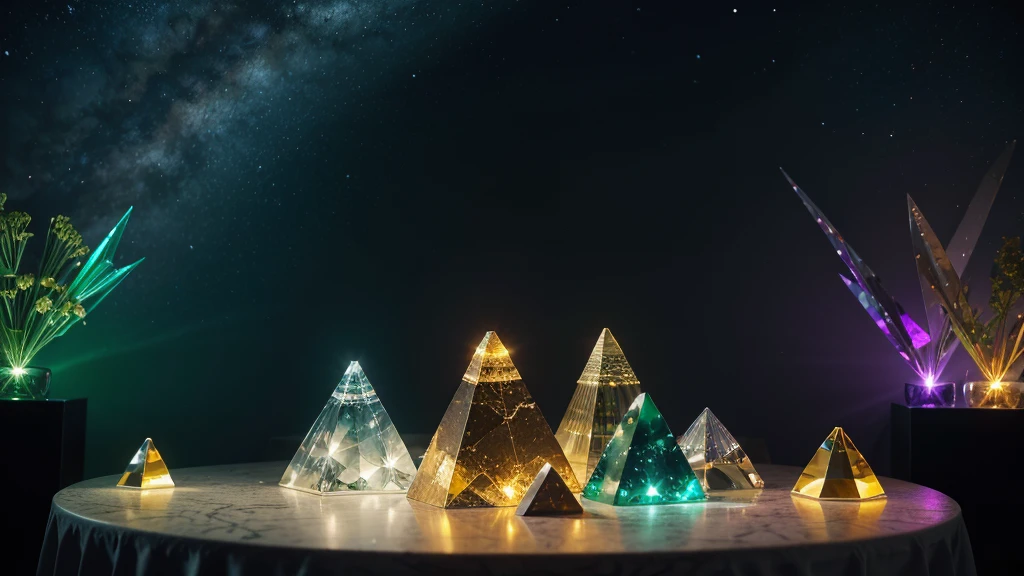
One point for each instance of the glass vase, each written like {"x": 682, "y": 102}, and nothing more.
{"x": 30, "y": 383}
{"x": 994, "y": 394}
{"x": 934, "y": 395}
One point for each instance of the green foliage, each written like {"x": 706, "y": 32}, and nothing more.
{"x": 995, "y": 345}
{"x": 38, "y": 306}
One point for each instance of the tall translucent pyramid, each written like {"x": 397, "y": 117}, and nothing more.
{"x": 146, "y": 470}
{"x": 838, "y": 471}
{"x": 716, "y": 457}
{"x": 352, "y": 445}
{"x": 604, "y": 393}
{"x": 643, "y": 464}
{"x": 492, "y": 441}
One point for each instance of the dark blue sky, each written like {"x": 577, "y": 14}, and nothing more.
{"x": 320, "y": 182}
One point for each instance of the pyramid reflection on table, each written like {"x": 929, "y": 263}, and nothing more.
{"x": 838, "y": 471}
{"x": 352, "y": 446}
{"x": 642, "y": 463}
{"x": 146, "y": 469}
{"x": 492, "y": 440}
{"x": 716, "y": 457}
{"x": 603, "y": 394}
{"x": 548, "y": 496}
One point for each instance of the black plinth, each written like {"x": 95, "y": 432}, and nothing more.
{"x": 42, "y": 448}
{"x": 971, "y": 455}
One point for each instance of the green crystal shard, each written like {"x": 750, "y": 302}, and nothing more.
{"x": 642, "y": 463}
{"x": 98, "y": 277}
{"x": 353, "y": 445}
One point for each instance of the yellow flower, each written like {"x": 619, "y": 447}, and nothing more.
{"x": 43, "y": 305}
{"x": 25, "y": 281}
{"x": 79, "y": 310}
{"x": 48, "y": 283}
{"x": 9, "y": 294}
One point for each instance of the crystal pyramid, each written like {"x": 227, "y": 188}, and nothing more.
{"x": 548, "y": 496}
{"x": 643, "y": 464}
{"x": 492, "y": 441}
{"x": 146, "y": 470}
{"x": 716, "y": 457}
{"x": 352, "y": 445}
{"x": 603, "y": 394}
{"x": 838, "y": 471}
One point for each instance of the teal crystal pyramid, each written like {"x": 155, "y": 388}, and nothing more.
{"x": 642, "y": 463}
{"x": 352, "y": 446}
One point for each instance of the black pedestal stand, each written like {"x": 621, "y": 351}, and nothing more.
{"x": 972, "y": 455}
{"x": 42, "y": 449}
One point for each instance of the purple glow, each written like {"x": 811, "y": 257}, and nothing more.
{"x": 930, "y": 394}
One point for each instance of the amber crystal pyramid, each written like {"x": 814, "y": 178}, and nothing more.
{"x": 838, "y": 471}
{"x": 604, "y": 393}
{"x": 716, "y": 457}
{"x": 146, "y": 470}
{"x": 643, "y": 464}
{"x": 492, "y": 441}
{"x": 352, "y": 446}
{"x": 548, "y": 496}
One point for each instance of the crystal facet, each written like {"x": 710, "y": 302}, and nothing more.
{"x": 146, "y": 470}
{"x": 838, "y": 471}
{"x": 933, "y": 395}
{"x": 999, "y": 359}
{"x": 993, "y": 395}
{"x": 642, "y": 463}
{"x": 353, "y": 445}
{"x": 603, "y": 394}
{"x": 716, "y": 457}
{"x": 927, "y": 352}
{"x": 492, "y": 441}
{"x": 548, "y": 496}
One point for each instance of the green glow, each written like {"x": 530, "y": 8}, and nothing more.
{"x": 642, "y": 463}
{"x": 38, "y": 306}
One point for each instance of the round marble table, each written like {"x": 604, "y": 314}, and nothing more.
{"x": 235, "y": 519}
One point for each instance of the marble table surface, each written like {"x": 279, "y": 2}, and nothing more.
{"x": 242, "y": 503}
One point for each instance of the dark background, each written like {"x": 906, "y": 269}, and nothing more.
{"x": 319, "y": 182}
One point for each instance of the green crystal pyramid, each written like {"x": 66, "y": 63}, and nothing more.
{"x": 352, "y": 446}
{"x": 642, "y": 463}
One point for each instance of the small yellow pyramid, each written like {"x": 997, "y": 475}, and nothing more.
{"x": 146, "y": 470}
{"x": 838, "y": 471}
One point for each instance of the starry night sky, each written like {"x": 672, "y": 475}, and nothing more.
{"x": 321, "y": 181}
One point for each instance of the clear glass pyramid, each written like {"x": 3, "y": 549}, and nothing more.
{"x": 838, "y": 471}
{"x": 716, "y": 457}
{"x": 492, "y": 440}
{"x": 643, "y": 464}
{"x": 146, "y": 470}
{"x": 603, "y": 394}
{"x": 548, "y": 496}
{"x": 352, "y": 446}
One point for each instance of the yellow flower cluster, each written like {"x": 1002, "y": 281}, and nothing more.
{"x": 25, "y": 281}
{"x": 44, "y": 304}
{"x": 65, "y": 232}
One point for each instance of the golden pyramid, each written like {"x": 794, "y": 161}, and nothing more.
{"x": 146, "y": 470}
{"x": 604, "y": 393}
{"x": 838, "y": 471}
{"x": 492, "y": 441}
